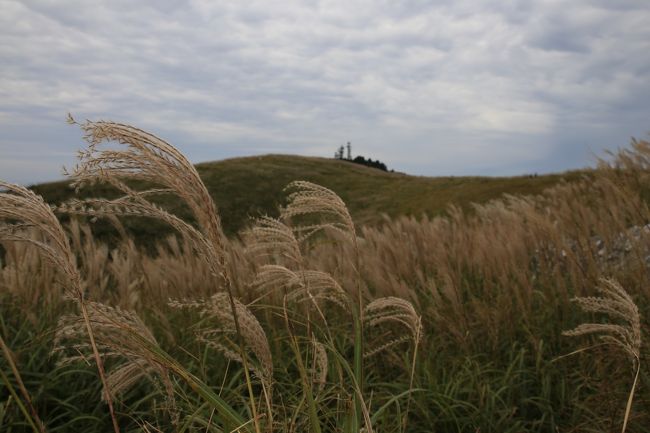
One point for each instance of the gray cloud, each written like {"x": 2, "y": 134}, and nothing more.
{"x": 429, "y": 87}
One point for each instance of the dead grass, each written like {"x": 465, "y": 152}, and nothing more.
{"x": 303, "y": 298}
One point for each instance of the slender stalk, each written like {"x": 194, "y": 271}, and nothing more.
{"x": 358, "y": 368}
{"x": 20, "y": 404}
{"x": 628, "y": 407}
{"x": 307, "y": 389}
{"x": 19, "y": 203}
{"x": 227, "y": 413}
{"x": 100, "y": 365}
{"x": 355, "y": 386}
{"x": 240, "y": 339}
{"x": 358, "y": 336}
{"x": 34, "y": 420}
{"x": 408, "y": 402}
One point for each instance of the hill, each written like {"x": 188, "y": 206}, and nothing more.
{"x": 252, "y": 186}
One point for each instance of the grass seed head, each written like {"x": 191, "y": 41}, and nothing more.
{"x": 618, "y": 305}
{"x": 310, "y": 199}
{"x": 218, "y": 308}
{"x": 270, "y": 236}
{"x": 119, "y": 334}
{"x": 384, "y": 311}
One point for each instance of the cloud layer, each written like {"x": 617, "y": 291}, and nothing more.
{"x": 429, "y": 87}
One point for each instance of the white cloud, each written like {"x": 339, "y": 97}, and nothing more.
{"x": 490, "y": 87}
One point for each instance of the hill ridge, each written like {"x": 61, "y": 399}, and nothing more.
{"x": 250, "y": 186}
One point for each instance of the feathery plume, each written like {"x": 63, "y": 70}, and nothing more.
{"x": 393, "y": 310}
{"x": 148, "y": 158}
{"x": 217, "y": 307}
{"x": 301, "y": 286}
{"x": 308, "y": 198}
{"x": 617, "y": 304}
{"x": 271, "y": 236}
{"x": 153, "y": 160}
{"x": 119, "y": 334}
{"x": 20, "y": 208}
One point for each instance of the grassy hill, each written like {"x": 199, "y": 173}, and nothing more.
{"x": 252, "y": 186}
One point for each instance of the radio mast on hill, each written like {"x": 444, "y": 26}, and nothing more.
{"x": 340, "y": 153}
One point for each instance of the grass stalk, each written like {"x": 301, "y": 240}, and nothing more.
{"x": 411, "y": 379}
{"x": 34, "y": 420}
{"x": 244, "y": 357}
{"x": 630, "y": 398}
{"x": 363, "y": 410}
{"x": 228, "y": 415}
{"x": 20, "y": 404}
{"x": 358, "y": 368}
{"x": 358, "y": 330}
{"x": 304, "y": 379}
{"x": 100, "y": 365}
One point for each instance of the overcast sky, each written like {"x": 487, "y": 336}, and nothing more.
{"x": 446, "y": 87}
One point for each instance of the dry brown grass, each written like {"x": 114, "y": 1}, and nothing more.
{"x": 145, "y": 157}
{"x": 221, "y": 337}
{"x": 483, "y": 271}
{"x": 618, "y": 305}
{"x": 119, "y": 334}
{"x": 21, "y": 209}
{"x": 480, "y": 279}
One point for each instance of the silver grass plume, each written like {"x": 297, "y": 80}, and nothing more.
{"x": 318, "y": 285}
{"x": 119, "y": 334}
{"x": 301, "y": 286}
{"x": 618, "y": 305}
{"x": 308, "y": 198}
{"x": 384, "y": 311}
{"x": 148, "y": 158}
{"x": 20, "y": 209}
{"x": 271, "y": 237}
{"x": 217, "y": 308}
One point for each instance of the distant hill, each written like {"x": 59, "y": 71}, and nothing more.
{"x": 252, "y": 186}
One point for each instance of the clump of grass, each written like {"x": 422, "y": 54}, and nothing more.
{"x": 326, "y": 312}
{"x": 147, "y": 158}
{"x": 617, "y": 304}
{"x": 309, "y": 199}
{"x": 313, "y": 209}
{"x": 221, "y": 337}
{"x": 384, "y": 311}
{"x": 21, "y": 209}
{"x": 275, "y": 238}
{"x": 119, "y": 334}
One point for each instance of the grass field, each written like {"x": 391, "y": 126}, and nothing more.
{"x": 245, "y": 188}
{"x": 520, "y": 314}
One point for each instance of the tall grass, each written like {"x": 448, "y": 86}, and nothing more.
{"x": 311, "y": 323}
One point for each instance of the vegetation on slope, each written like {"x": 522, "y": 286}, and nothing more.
{"x": 253, "y": 186}
{"x": 528, "y": 314}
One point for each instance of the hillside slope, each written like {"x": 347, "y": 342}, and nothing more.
{"x": 252, "y": 186}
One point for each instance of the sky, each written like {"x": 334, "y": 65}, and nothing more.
{"x": 444, "y": 87}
